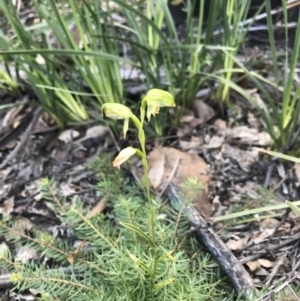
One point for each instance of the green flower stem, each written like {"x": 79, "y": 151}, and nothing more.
{"x": 143, "y": 111}
{"x": 143, "y": 155}
{"x": 136, "y": 122}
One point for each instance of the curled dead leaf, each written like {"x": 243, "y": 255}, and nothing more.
{"x": 8, "y": 207}
{"x": 253, "y": 265}
{"x": 100, "y": 206}
{"x": 68, "y": 135}
{"x": 265, "y": 263}
{"x": 73, "y": 256}
{"x": 235, "y": 244}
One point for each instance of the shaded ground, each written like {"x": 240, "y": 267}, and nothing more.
{"x": 235, "y": 175}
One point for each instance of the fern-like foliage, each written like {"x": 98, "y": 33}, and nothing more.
{"x": 111, "y": 256}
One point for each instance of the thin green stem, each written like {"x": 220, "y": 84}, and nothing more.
{"x": 143, "y": 111}
{"x": 139, "y": 124}
{"x": 142, "y": 139}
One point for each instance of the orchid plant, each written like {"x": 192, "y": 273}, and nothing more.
{"x": 153, "y": 101}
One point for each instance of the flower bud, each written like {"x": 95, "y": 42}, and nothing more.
{"x": 117, "y": 111}
{"x": 123, "y": 156}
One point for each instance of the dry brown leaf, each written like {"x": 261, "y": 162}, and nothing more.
{"x": 26, "y": 253}
{"x": 188, "y": 116}
{"x": 18, "y": 120}
{"x": 72, "y": 256}
{"x": 189, "y": 121}
{"x": 8, "y": 207}
{"x": 253, "y": 265}
{"x": 101, "y": 205}
{"x": 244, "y": 158}
{"x": 269, "y": 223}
{"x": 235, "y": 244}
{"x": 257, "y": 282}
{"x": 193, "y": 144}
{"x": 190, "y": 166}
{"x": 249, "y": 136}
{"x": 267, "y": 228}
{"x": 266, "y": 263}
{"x": 5, "y": 172}
{"x": 29, "y": 190}
{"x": 40, "y": 126}
{"x": 4, "y": 190}
{"x": 261, "y": 272}
{"x": 11, "y": 144}
{"x": 253, "y": 121}
{"x": 68, "y": 135}
{"x": 68, "y": 188}
{"x": 297, "y": 171}
{"x": 156, "y": 167}
{"x": 215, "y": 142}
{"x": 220, "y": 124}
{"x": 94, "y": 132}
{"x": 10, "y": 117}
{"x": 203, "y": 111}
{"x": 183, "y": 130}
{"x": 264, "y": 234}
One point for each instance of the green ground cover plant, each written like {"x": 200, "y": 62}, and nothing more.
{"x": 127, "y": 257}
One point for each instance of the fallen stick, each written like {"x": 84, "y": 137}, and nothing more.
{"x": 235, "y": 271}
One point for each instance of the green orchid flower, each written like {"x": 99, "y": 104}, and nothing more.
{"x": 117, "y": 111}
{"x": 156, "y": 99}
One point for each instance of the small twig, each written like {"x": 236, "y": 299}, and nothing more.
{"x": 268, "y": 175}
{"x": 114, "y": 139}
{"x": 168, "y": 181}
{"x": 24, "y": 138}
{"x": 17, "y": 131}
{"x": 79, "y": 192}
{"x": 67, "y": 153}
{"x": 275, "y": 248}
{"x": 5, "y": 281}
{"x": 293, "y": 292}
{"x": 29, "y": 202}
{"x": 294, "y": 274}
{"x": 275, "y": 269}
{"x": 281, "y": 222}
{"x": 256, "y": 18}
{"x": 284, "y": 216}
